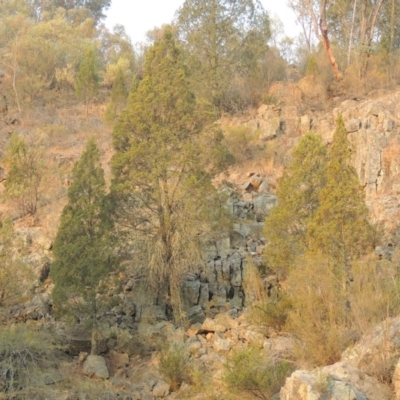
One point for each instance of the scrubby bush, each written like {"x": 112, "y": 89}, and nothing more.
{"x": 175, "y": 365}
{"x": 273, "y": 313}
{"x": 242, "y": 143}
{"x": 331, "y": 311}
{"x": 27, "y": 362}
{"x": 320, "y": 316}
{"x": 24, "y": 159}
{"x": 253, "y": 372}
{"x": 374, "y": 291}
{"x": 269, "y": 308}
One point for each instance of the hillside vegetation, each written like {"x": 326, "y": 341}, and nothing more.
{"x": 203, "y": 214}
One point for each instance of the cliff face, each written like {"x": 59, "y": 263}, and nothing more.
{"x": 373, "y": 126}
{"x": 374, "y": 132}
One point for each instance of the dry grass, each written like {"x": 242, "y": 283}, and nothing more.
{"x": 332, "y": 310}
{"x": 63, "y": 124}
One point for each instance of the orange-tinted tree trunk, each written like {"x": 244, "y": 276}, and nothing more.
{"x": 324, "y": 38}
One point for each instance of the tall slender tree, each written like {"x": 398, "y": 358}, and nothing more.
{"x": 83, "y": 246}
{"x": 340, "y": 228}
{"x": 298, "y": 201}
{"x": 162, "y": 176}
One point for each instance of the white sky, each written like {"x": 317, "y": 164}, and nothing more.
{"x": 138, "y": 17}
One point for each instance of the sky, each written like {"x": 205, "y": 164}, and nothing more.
{"x": 140, "y": 17}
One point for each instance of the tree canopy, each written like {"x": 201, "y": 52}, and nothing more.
{"x": 95, "y": 7}
{"x": 298, "y": 201}
{"x": 162, "y": 174}
{"x": 83, "y": 247}
{"x": 340, "y": 228}
{"x": 321, "y": 206}
{"x": 221, "y": 38}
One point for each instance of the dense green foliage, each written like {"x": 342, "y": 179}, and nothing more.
{"x": 340, "y": 228}
{"x": 298, "y": 200}
{"x": 163, "y": 167}
{"x": 83, "y": 247}
{"x": 317, "y": 232}
{"x": 320, "y": 206}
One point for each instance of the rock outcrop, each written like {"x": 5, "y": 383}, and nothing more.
{"x": 374, "y": 359}
{"x": 335, "y": 382}
{"x": 96, "y": 366}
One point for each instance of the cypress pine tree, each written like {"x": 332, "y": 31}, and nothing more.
{"x": 340, "y": 228}
{"x": 298, "y": 199}
{"x": 83, "y": 245}
{"x": 162, "y": 179}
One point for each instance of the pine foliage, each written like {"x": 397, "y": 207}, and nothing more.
{"x": 298, "y": 200}
{"x": 340, "y": 228}
{"x": 162, "y": 168}
{"x": 83, "y": 245}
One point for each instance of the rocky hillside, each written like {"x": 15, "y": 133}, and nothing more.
{"x": 373, "y": 127}
{"x": 216, "y": 295}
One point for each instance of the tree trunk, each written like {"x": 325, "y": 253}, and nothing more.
{"x": 351, "y": 33}
{"x": 392, "y": 15}
{"x": 321, "y": 32}
{"x": 326, "y": 43}
{"x": 369, "y": 35}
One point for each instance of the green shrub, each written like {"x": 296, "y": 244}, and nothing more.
{"x": 271, "y": 313}
{"x": 320, "y": 316}
{"x": 252, "y": 372}
{"x": 24, "y": 157}
{"x": 242, "y": 143}
{"x": 175, "y": 365}
{"x": 27, "y": 361}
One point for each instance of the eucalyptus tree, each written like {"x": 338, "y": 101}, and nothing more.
{"x": 221, "y": 39}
